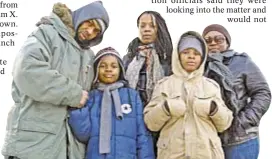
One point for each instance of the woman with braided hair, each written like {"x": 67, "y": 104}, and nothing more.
{"x": 149, "y": 56}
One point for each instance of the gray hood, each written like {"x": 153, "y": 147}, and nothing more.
{"x": 177, "y": 69}
{"x": 94, "y": 10}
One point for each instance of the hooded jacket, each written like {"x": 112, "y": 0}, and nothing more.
{"x": 49, "y": 74}
{"x": 188, "y": 131}
{"x": 94, "y": 10}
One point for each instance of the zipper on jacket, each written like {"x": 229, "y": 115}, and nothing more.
{"x": 83, "y": 74}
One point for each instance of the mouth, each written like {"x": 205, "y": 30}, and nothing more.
{"x": 214, "y": 49}
{"x": 191, "y": 63}
{"x": 84, "y": 35}
{"x": 108, "y": 75}
{"x": 147, "y": 36}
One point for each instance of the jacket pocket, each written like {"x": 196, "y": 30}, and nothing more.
{"x": 163, "y": 148}
{"x": 177, "y": 106}
{"x": 38, "y": 126}
{"x": 237, "y": 128}
{"x": 36, "y": 137}
{"x": 163, "y": 143}
{"x": 202, "y": 105}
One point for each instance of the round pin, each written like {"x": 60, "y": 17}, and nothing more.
{"x": 126, "y": 108}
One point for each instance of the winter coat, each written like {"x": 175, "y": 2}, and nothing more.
{"x": 253, "y": 98}
{"x": 129, "y": 137}
{"x": 49, "y": 74}
{"x": 188, "y": 130}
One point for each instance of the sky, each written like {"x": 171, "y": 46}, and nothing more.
{"x": 252, "y": 38}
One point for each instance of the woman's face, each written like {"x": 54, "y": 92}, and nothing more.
{"x": 190, "y": 59}
{"x": 108, "y": 69}
{"x": 216, "y": 42}
{"x": 147, "y": 29}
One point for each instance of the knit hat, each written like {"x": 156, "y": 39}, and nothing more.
{"x": 190, "y": 42}
{"x": 104, "y": 52}
{"x": 219, "y": 28}
{"x": 101, "y": 25}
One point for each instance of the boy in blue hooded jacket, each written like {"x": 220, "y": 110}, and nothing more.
{"x": 111, "y": 122}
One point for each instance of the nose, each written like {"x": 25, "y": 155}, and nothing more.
{"x": 191, "y": 56}
{"x": 108, "y": 69}
{"x": 90, "y": 30}
{"x": 213, "y": 42}
{"x": 147, "y": 28}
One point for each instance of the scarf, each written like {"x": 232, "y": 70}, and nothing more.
{"x": 154, "y": 71}
{"x": 219, "y": 72}
{"x": 106, "y": 113}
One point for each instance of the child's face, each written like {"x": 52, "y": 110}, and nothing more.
{"x": 190, "y": 59}
{"x": 109, "y": 69}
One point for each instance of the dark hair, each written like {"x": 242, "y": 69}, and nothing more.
{"x": 163, "y": 43}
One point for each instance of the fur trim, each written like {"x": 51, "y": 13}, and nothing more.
{"x": 65, "y": 14}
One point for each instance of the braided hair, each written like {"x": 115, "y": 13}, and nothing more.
{"x": 163, "y": 42}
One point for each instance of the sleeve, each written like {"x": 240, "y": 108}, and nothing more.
{"x": 155, "y": 113}
{"x": 223, "y": 117}
{"x": 259, "y": 93}
{"x": 145, "y": 145}
{"x": 79, "y": 121}
{"x": 35, "y": 78}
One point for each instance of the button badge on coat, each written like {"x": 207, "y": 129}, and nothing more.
{"x": 126, "y": 108}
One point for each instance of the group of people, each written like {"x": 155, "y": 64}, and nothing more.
{"x": 198, "y": 99}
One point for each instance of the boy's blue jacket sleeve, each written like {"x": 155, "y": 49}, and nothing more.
{"x": 145, "y": 148}
{"x": 80, "y": 122}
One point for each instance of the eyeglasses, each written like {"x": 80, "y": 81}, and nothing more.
{"x": 216, "y": 39}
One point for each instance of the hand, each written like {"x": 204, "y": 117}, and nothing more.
{"x": 166, "y": 106}
{"x": 84, "y": 99}
{"x": 213, "y": 108}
